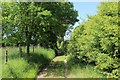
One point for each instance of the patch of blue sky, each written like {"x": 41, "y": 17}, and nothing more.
{"x": 84, "y": 9}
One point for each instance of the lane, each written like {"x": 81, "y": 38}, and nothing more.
{"x": 56, "y": 69}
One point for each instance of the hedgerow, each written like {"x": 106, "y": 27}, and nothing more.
{"x": 96, "y": 40}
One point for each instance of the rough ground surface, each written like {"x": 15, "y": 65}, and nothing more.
{"x": 52, "y": 71}
{"x": 59, "y": 69}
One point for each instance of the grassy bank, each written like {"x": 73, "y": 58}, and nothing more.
{"x": 25, "y": 66}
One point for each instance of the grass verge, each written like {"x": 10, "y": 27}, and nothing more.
{"x": 25, "y": 66}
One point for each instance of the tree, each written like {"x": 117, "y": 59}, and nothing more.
{"x": 22, "y": 21}
{"x": 37, "y": 22}
{"x": 63, "y": 15}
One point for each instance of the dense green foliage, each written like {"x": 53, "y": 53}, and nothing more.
{"x": 96, "y": 40}
{"x": 25, "y": 67}
{"x": 35, "y": 23}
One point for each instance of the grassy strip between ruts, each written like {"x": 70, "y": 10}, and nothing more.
{"x": 57, "y": 70}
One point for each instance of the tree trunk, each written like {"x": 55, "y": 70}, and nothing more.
{"x": 6, "y": 56}
{"x": 65, "y": 67}
{"x": 28, "y": 48}
{"x": 27, "y": 42}
{"x": 20, "y": 50}
{"x": 27, "y": 32}
{"x": 33, "y": 48}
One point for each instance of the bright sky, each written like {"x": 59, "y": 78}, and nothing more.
{"x": 84, "y": 9}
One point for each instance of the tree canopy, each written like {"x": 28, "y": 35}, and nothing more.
{"x": 36, "y": 22}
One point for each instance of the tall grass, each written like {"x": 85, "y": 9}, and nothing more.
{"x": 81, "y": 69}
{"x": 57, "y": 69}
{"x": 88, "y": 71}
{"x": 25, "y": 66}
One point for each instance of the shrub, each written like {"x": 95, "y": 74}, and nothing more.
{"x": 96, "y": 40}
{"x": 104, "y": 62}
